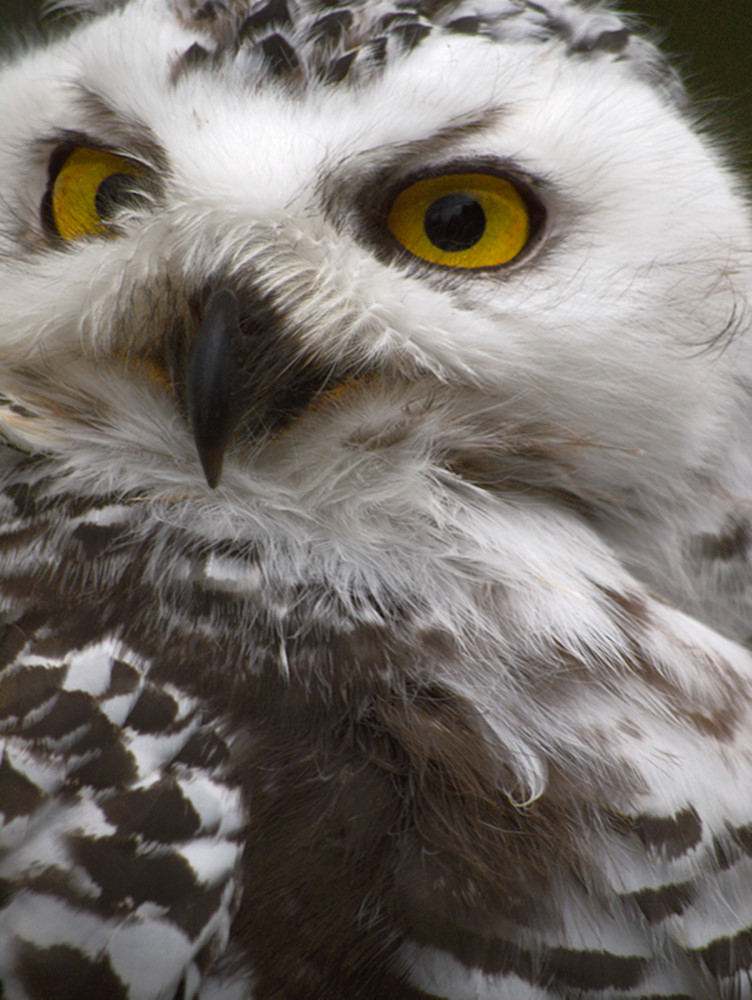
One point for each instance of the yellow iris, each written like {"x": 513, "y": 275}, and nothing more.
{"x": 461, "y": 220}
{"x": 79, "y": 192}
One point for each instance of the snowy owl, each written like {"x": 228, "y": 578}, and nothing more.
{"x": 375, "y": 498}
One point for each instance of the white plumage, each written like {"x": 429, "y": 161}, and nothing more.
{"x": 375, "y": 525}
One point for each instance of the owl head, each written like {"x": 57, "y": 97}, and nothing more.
{"x": 317, "y": 259}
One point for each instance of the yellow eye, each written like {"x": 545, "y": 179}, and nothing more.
{"x": 461, "y": 220}
{"x": 87, "y": 190}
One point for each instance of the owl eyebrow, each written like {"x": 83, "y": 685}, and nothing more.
{"x": 125, "y": 135}
{"x": 332, "y": 190}
{"x": 448, "y": 135}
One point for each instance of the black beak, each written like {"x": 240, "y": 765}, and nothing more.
{"x": 246, "y": 375}
{"x": 212, "y": 382}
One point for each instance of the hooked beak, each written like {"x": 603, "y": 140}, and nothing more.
{"x": 212, "y": 382}
{"x": 246, "y": 373}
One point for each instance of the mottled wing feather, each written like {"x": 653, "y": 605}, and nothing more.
{"x": 121, "y": 832}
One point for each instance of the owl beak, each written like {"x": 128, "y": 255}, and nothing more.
{"x": 212, "y": 382}
{"x": 245, "y": 369}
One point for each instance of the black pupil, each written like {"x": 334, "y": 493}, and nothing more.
{"x": 455, "y": 222}
{"x": 115, "y": 191}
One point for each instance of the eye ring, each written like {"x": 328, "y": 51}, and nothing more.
{"x": 87, "y": 187}
{"x": 470, "y": 220}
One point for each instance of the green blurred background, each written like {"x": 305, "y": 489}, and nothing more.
{"x": 713, "y": 39}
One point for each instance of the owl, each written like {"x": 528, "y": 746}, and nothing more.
{"x": 375, "y": 509}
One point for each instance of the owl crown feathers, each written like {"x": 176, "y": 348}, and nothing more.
{"x": 347, "y": 40}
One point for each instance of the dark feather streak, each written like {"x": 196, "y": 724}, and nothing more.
{"x": 672, "y": 836}
{"x": 274, "y": 13}
{"x": 154, "y": 712}
{"x": 159, "y": 812}
{"x": 281, "y": 56}
{"x": 18, "y": 795}
{"x": 60, "y": 972}
{"x": 337, "y": 69}
{"x": 728, "y": 955}
{"x": 666, "y": 901}
{"x": 466, "y": 25}
{"x": 614, "y": 41}
{"x": 116, "y": 866}
{"x": 331, "y": 27}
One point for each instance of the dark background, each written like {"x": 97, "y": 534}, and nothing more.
{"x": 712, "y": 38}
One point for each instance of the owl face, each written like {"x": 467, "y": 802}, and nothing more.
{"x": 264, "y": 252}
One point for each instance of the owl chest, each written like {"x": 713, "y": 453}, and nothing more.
{"x": 406, "y": 786}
